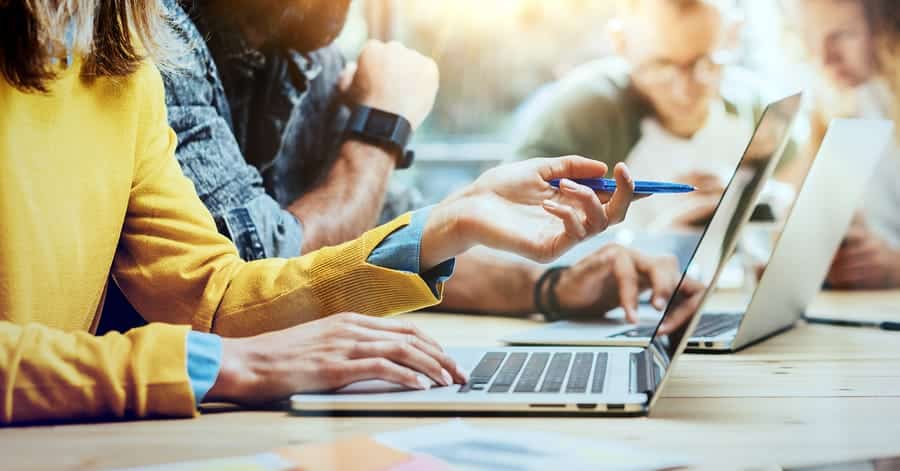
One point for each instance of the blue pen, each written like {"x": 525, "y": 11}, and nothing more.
{"x": 641, "y": 187}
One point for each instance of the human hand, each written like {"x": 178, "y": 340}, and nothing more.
{"x": 328, "y": 354}
{"x": 698, "y": 207}
{"x": 704, "y": 182}
{"x": 514, "y": 208}
{"x": 615, "y": 276}
{"x": 864, "y": 261}
{"x": 393, "y": 78}
{"x": 684, "y": 306}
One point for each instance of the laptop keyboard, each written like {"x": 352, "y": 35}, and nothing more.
{"x": 715, "y": 324}
{"x": 711, "y": 325}
{"x": 545, "y": 372}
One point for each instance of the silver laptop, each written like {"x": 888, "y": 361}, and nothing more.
{"x": 755, "y": 168}
{"x": 614, "y": 380}
{"x": 792, "y": 272}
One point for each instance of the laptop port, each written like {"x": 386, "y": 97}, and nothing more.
{"x": 708, "y": 344}
{"x": 586, "y": 406}
{"x": 693, "y": 344}
{"x": 615, "y": 407}
{"x": 549, "y": 406}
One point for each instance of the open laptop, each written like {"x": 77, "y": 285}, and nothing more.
{"x": 754, "y": 170}
{"x": 546, "y": 380}
{"x": 792, "y": 272}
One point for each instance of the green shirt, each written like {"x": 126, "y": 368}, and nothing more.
{"x": 595, "y": 112}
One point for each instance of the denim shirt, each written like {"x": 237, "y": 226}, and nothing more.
{"x": 254, "y": 150}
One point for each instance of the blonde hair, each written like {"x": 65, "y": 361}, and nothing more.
{"x": 883, "y": 19}
{"x": 113, "y": 36}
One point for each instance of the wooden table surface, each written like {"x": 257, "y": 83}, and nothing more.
{"x": 813, "y": 395}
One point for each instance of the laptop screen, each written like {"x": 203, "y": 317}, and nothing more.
{"x": 720, "y": 235}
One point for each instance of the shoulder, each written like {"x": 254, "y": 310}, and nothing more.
{"x": 191, "y": 80}
{"x": 592, "y": 111}
{"x": 596, "y": 88}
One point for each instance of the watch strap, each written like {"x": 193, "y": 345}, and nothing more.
{"x": 382, "y": 128}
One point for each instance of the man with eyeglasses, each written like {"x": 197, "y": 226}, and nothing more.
{"x": 669, "y": 103}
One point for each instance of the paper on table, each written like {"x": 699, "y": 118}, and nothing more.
{"x": 260, "y": 462}
{"x": 464, "y": 446}
{"x": 352, "y": 454}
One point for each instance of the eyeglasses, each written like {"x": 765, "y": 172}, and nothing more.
{"x": 705, "y": 69}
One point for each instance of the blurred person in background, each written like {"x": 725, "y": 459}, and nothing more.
{"x": 855, "y": 48}
{"x": 668, "y": 103}
{"x": 259, "y": 110}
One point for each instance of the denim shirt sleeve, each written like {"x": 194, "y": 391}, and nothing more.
{"x": 210, "y": 156}
{"x": 204, "y": 357}
{"x": 401, "y": 251}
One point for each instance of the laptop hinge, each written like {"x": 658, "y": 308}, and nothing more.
{"x": 643, "y": 372}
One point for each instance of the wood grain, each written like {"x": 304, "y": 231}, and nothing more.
{"x": 815, "y": 394}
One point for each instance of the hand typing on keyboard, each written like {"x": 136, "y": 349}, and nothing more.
{"x": 615, "y": 276}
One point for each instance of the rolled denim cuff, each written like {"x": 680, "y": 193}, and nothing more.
{"x": 402, "y": 251}
{"x": 261, "y": 229}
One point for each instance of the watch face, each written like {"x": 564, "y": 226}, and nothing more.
{"x": 380, "y": 123}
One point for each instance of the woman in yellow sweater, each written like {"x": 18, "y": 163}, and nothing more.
{"x": 90, "y": 191}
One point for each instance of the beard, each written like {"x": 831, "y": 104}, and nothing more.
{"x": 302, "y": 25}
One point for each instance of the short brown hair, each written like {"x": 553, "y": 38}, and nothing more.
{"x": 114, "y": 36}
{"x": 627, "y": 5}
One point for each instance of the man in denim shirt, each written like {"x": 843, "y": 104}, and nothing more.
{"x": 259, "y": 122}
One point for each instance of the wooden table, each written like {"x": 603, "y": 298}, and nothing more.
{"x": 813, "y": 395}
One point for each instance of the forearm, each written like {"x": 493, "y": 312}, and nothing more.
{"x": 350, "y": 199}
{"x": 54, "y": 375}
{"x": 488, "y": 283}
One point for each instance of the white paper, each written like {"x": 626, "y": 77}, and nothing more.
{"x": 464, "y": 446}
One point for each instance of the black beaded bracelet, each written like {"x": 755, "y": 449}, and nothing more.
{"x": 551, "y": 310}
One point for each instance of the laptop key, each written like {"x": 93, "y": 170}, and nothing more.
{"x": 556, "y": 373}
{"x": 581, "y": 373}
{"x": 532, "y": 373}
{"x": 508, "y": 373}
{"x": 600, "y": 373}
{"x": 483, "y": 372}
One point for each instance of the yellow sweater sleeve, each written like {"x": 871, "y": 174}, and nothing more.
{"x": 175, "y": 267}
{"x": 51, "y": 375}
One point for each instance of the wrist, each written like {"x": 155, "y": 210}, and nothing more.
{"x": 385, "y": 129}
{"x": 366, "y": 156}
{"x": 235, "y": 378}
{"x": 444, "y": 236}
{"x": 895, "y": 268}
{"x": 545, "y": 294}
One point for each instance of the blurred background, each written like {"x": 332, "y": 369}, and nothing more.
{"x": 493, "y": 61}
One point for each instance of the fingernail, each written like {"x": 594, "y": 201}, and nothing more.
{"x": 569, "y": 184}
{"x": 550, "y": 204}
{"x": 463, "y": 373}
{"x": 448, "y": 380}
{"x": 659, "y": 303}
{"x": 627, "y": 174}
{"x": 424, "y": 383}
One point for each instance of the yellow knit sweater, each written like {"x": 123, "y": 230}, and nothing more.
{"x": 90, "y": 188}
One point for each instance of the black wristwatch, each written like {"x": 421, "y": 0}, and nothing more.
{"x": 389, "y": 131}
